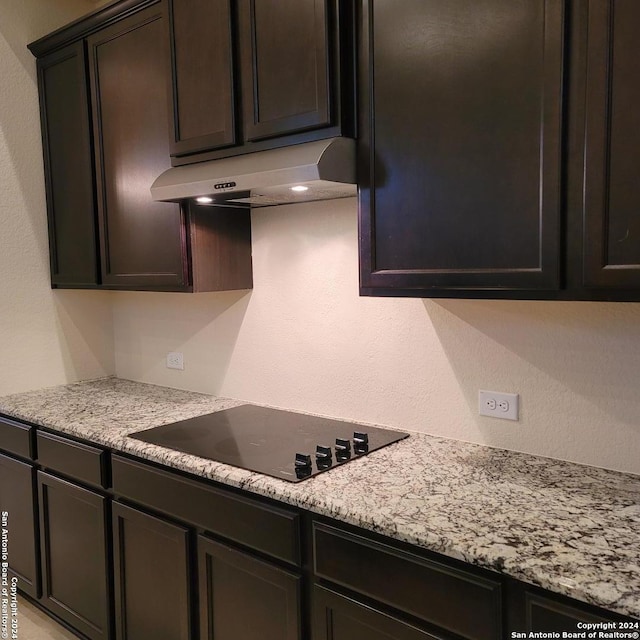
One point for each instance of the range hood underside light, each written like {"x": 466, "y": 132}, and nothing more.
{"x": 321, "y": 170}
{"x": 270, "y": 196}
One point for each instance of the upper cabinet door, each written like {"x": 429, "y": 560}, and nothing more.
{"x": 142, "y": 241}
{"x": 460, "y": 149}
{"x": 203, "y": 80}
{"x": 612, "y": 156}
{"x": 68, "y": 166}
{"x": 285, "y": 66}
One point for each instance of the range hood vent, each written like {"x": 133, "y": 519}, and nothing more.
{"x": 320, "y": 170}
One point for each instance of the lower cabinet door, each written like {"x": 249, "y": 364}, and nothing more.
{"x": 336, "y": 617}
{"x": 152, "y": 594}
{"x": 546, "y": 614}
{"x": 74, "y": 555}
{"x": 242, "y": 597}
{"x": 18, "y": 504}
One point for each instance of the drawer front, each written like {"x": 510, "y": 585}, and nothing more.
{"x": 454, "y": 600}
{"x": 16, "y": 438}
{"x": 271, "y": 530}
{"x": 74, "y": 459}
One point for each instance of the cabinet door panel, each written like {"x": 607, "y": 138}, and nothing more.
{"x": 285, "y": 66}
{"x": 152, "y": 598}
{"x": 142, "y": 241}
{"x": 545, "y": 614}
{"x": 18, "y": 501}
{"x": 68, "y": 166}
{"x": 74, "y": 555}
{"x": 612, "y": 187}
{"x": 242, "y": 597}
{"x": 203, "y": 81}
{"x": 339, "y": 618}
{"x": 461, "y": 136}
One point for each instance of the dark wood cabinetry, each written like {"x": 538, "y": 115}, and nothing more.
{"x": 66, "y": 132}
{"x": 75, "y": 567}
{"x": 268, "y": 529}
{"x": 243, "y": 597}
{"x": 460, "y": 155}
{"x": 454, "y": 600}
{"x": 18, "y": 501}
{"x": 545, "y": 614}
{"x": 499, "y": 165}
{"x": 204, "y": 93}
{"x": 250, "y": 76}
{"x": 285, "y": 66}
{"x": 151, "y": 576}
{"x": 121, "y": 127}
{"x": 337, "y": 617}
{"x": 612, "y": 154}
{"x": 128, "y": 63}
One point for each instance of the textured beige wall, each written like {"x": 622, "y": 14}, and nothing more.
{"x": 303, "y": 339}
{"x": 46, "y": 337}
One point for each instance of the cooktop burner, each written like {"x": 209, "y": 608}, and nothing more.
{"x": 283, "y": 444}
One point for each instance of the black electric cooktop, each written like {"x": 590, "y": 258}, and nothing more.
{"x": 283, "y": 444}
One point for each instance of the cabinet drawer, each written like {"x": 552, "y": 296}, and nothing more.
{"x": 271, "y": 530}
{"x": 455, "y": 600}
{"x": 73, "y": 459}
{"x": 16, "y": 438}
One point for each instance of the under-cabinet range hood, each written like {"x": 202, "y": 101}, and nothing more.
{"x": 320, "y": 170}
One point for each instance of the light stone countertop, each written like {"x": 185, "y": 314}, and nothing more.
{"x": 569, "y": 528}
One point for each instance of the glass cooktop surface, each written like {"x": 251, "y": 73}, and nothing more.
{"x": 287, "y": 445}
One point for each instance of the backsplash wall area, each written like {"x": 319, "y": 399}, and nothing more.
{"x": 46, "y": 337}
{"x": 303, "y": 339}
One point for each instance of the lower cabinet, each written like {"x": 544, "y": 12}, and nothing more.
{"x": 544, "y": 614}
{"x": 151, "y": 575}
{"x": 75, "y": 566}
{"x": 243, "y": 597}
{"x": 456, "y": 600}
{"x": 336, "y": 617}
{"x": 18, "y": 506}
{"x": 128, "y": 550}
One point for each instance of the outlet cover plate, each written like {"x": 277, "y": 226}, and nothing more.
{"x": 175, "y": 360}
{"x": 498, "y": 405}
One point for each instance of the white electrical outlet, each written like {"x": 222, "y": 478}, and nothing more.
{"x": 175, "y": 360}
{"x": 498, "y": 405}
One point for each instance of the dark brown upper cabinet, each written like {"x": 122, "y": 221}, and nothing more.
{"x": 285, "y": 66}
{"x": 501, "y": 161}
{"x": 249, "y": 76}
{"x": 461, "y": 122}
{"x": 204, "y": 97}
{"x": 68, "y": 166}
{"x": 127, "y": 63}
{"x": 106, "y": 134}
{"x": 612, "y": 155}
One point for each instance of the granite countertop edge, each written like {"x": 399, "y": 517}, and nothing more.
{"x": 568, "y": 528}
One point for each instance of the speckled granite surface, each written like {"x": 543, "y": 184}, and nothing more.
{"x": 569, "y": 528}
